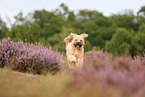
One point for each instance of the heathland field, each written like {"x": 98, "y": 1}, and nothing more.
{"x": 33, "y": 60}
{"x": 31, "y": 70}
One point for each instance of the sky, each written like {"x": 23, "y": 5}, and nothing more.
{"x": 10, "y": 8}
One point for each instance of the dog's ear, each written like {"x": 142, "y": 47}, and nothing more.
{"x": 72, "y": 35}
{"x": 84, "y": 35}
{"x": 67, "y": 39}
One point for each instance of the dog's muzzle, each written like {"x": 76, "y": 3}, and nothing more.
{"x": 78, "y": 44}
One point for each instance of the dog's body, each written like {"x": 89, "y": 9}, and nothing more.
{"x": 75, "y": 50}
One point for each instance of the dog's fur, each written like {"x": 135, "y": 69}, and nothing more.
{"x": 75, "y": 50}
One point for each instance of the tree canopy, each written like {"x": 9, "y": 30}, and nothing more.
{"x": 118, "y": 33}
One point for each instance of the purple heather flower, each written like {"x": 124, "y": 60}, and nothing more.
{"x": 102, "y": 70}
{"x": 21, "y": 55}
{"x": 8, "y": 38}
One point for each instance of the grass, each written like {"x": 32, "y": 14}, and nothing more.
{"x": 15, "y": 84}
{"x": 18, "y": 84}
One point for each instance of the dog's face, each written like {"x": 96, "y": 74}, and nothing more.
{"x": 78, "y": 40}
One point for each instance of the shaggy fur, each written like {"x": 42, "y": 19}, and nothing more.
{"x": 75, "y": 50}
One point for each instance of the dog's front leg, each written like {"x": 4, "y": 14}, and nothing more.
{"x": 72, "y": 61}
{"x": 80, "y": 61}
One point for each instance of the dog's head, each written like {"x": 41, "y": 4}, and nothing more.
{"x": 78, "y": 40}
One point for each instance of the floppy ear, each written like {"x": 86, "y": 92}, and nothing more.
{"x": 84, "y": 35}
{"x": 72, "y": 35}
{"x": 67, "y": 39}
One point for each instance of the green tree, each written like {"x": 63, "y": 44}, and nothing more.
{"x": 3, "y": 29}
{"x": 140, "y": 40}
{"x": 122, "y": 42}
{"x": 141, "y": 11}
{"x": 125, "y": 20}
{"x": 97, "y": 26}
{"x": 23, "y": 28}
{"x": 18, "y": 32}
{"x": 141, "y": 16}
{"x": 117, "y": 33}
{"x": 67, "y": 15}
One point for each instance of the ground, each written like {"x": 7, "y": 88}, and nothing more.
{"x": 16, "y": 84}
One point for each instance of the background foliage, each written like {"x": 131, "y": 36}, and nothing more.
{"x": 119, "y": 33}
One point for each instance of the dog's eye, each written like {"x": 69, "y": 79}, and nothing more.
{"x": 80, "y": 40}
{"x": 75, "y": 39}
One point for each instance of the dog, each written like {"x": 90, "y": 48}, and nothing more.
{"x": 75, "y": 49}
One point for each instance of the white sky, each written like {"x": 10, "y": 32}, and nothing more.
{"x": 10, "y": 8}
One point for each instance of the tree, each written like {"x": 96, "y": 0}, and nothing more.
{"x": 97, "y": 26}
{"x": 42, "y": 17}
{"x": 67, "y": 15}
{"x": 118, "y": 33}
{"x": 122, "y": 42}
{"x": 140, "y": 40}
{"x": 141, "y": 11}
{"x": 141, "y": 16}
{"x": 125, "y": 20}
{"x": 3, "y": 29}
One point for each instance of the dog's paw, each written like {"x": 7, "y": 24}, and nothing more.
{"x": 73, "y": 60}
{"x": 73, "y": 64}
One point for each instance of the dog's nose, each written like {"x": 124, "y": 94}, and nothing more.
{"x": 78, "y": 42}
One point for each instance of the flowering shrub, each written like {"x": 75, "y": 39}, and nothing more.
{"x": 28, "y": 57}
{"x": 102, "y": 70}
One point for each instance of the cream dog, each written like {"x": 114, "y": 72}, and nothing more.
{"x": 75, "y": 50}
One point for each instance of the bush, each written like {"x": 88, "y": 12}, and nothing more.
{"x": 29, "y": 57}
{"x": 122, "y": 42}
{"x": 118, "y": 73}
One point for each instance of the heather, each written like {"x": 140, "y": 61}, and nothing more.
{"x": 28, "y": 57}
{"x": 117, "y": 76}
{"x": 103, "y": 75}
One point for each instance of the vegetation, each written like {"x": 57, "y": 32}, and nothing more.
{"x": 51, "y": 27}
{"x": 116, "y": 71}
{"x": 103, "y": 75}
{"x": 110, "y": 75}
{"x": 26, "y": 57}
